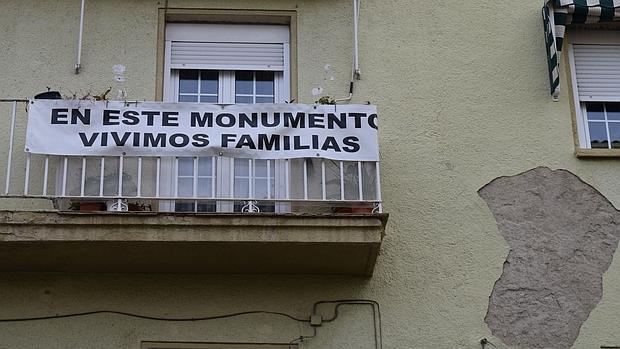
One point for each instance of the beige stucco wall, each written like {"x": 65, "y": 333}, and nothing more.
{"x": 463, "y": 94}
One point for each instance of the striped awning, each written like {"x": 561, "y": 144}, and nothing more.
{"x": 558, "y": 14}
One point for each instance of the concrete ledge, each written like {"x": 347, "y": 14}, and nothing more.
{"x": 190, "y": 243}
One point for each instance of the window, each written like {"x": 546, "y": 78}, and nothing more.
{"x": 594, "y": 57}
{"x": 226, "y": 63}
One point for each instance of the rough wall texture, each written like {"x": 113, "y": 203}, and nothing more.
{"x": 463, "y": 94}
{"x": 562, "y": 235}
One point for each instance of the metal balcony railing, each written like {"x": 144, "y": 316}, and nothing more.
{"x": 181, "y": 184}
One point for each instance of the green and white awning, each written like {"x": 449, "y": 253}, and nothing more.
{"x": 558, "y": 14}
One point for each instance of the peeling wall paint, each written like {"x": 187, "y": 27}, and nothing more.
{"x": 562, "y": 235}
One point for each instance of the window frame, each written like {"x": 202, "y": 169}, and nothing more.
{"x": 584, "y": 36}
{"x": 226, "y": 33}
{"x": 201, "y": 15}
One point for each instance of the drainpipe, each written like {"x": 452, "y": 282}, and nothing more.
{"x": 78, "y": 64}
{"x": 356, "y": 52}
{"x": 355, "y": 66}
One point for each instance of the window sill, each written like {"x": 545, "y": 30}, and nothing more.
{"x": 190, "y": 243}
{"x": 597, "y": 153}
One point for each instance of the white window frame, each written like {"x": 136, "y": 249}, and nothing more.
{"x": 587, "y": 37}
{"x": 225, "y": 33}
{"x": 228, "y": 33}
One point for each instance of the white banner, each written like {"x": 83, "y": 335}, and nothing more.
{"x": 260, "y": 131}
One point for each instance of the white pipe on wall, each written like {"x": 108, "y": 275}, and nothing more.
{"x": 355, "y": 68}
{"x": 78, "y": 64}
{"x": 356, "y": 61}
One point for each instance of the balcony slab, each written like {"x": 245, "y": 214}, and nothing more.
{"x": 190, "y": 243}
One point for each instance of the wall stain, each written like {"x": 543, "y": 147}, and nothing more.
{"x": 562, "y": 235}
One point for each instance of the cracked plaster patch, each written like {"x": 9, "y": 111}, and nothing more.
{"x": 562, "y": 235}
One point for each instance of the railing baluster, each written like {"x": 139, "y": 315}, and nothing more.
{"x": 359, "y": 180}
{"x": 176, "y": 177}
{"x": 101, "y": 175}
{"x": 195, "y": 182}
{"x": 27, "y": 175}
{"x": 121, "y": 165}
{"x": 251, "y": 178}
{"x": 195, "y": 177}
{"x": 157, "y": 174}
{"x": 323, "y": 186}
{"x": 10, "y": 157}
{"x": 232, "y": 178}
{"x": 341, "y": 165}
{"x": 213, "y": 161}
{"x": 378, "y": 187}
{"x": 287, "y": 179}
{"x": 139, "y": 189}
{"x": 269, "y": 179}
{"x": 119, "y": 200}
{"x": 83, "y": 176}
{"x": 64, "y": 175}
{"x": 46, "y": 167}
{"x": 305, "y": 179}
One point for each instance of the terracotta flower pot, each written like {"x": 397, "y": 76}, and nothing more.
{"x": 89, "y": 206}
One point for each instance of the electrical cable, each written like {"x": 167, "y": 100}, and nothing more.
{"x": 155, "y": 318}
{"x": 302, "y": 338}
{"x": 376, "y": 314}
{"x": 484, "y": 342}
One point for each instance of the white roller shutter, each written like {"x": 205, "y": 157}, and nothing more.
{"x": 597, "y": 70}
{"x": 226, "y": 46}
{"x": 233, "y": 56}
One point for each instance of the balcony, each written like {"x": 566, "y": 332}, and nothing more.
{"x": 184, "y": 214}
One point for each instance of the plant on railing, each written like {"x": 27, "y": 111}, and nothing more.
{"x": 326, "y": 100}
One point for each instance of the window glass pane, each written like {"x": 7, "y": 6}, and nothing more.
{"x": 186, "y": 187}
{"x": 208, "y": 99}
{"x": 244, "y": 99}
{"x": 598, "y": 135}
{"x": 208, "y": 81}
{"x": 186, "y": 98}
{"x": 188, "y": 81}
{"x": 244, "y": 81}
{"x": 184, "y": 207}
{"x": 206, "y": 207}
{"x": 242, "y": 168}
{"x": 369, "y": 181}
{"x": 614, "y": 134}
{"x": 595, "y": 111}
{"x": 204, "y": 166}
{"x": 260, "y": 188}
{"x": 613, "y": 111}
{"x": 260, "y": 168}
{"x": 264, "y": 99}
{"x": 264, "y": 83}
{"x": 332, "y": 179}
{"x": 186, "y": 166}
{"x": 204, "y": 187}
{"x": 241, "y": 188}
{"x": 351, "y": 181}
{"x": 110, "y": 178}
